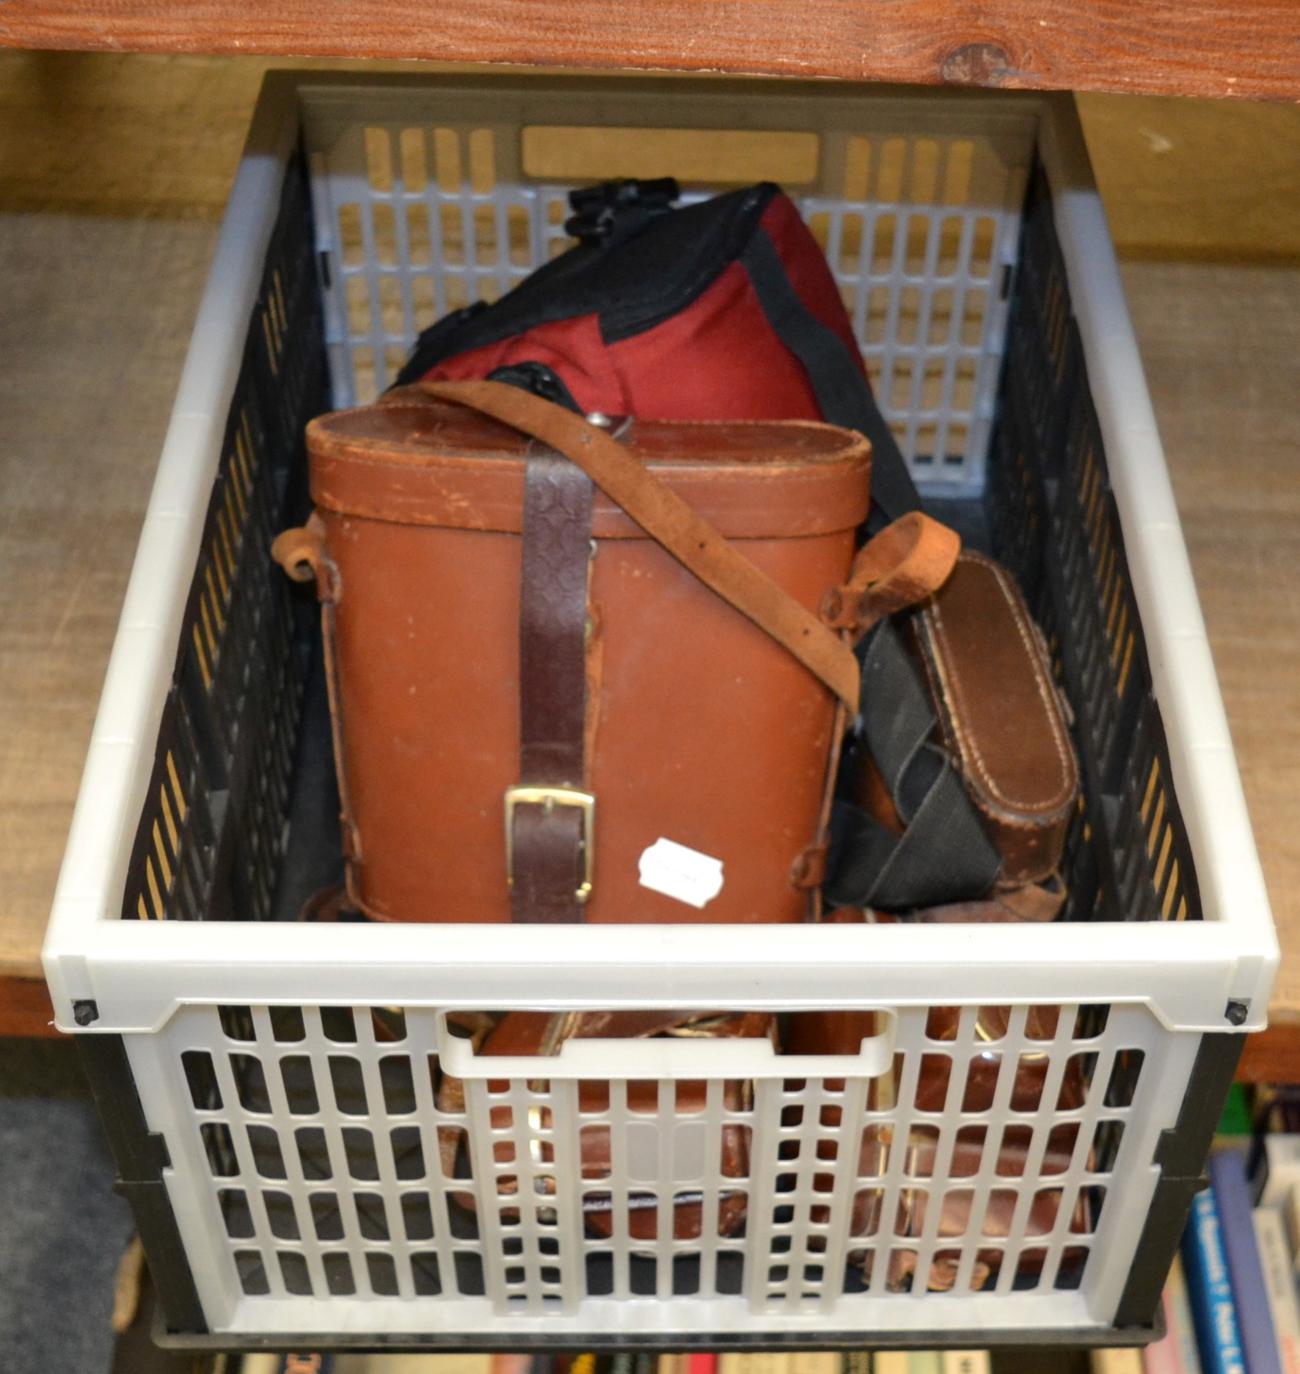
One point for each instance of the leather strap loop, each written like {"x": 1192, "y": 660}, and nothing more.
{"x": 903, "y": 564}
{"x": 301, "y": 553}
{"x": 547, "y": 866}
{"x": 670, "y": 521}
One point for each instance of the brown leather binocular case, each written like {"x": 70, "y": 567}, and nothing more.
{"x": 984, "y": 778}
{"x": 543, "y": 1033}
{"x": 587, "y": 671}
{"x": 1001, "y": 714}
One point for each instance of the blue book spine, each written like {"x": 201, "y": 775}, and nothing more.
{"x": 1232, "y": 1196}
{"x": 310, "y": 1363}
{"x": 1210, "y": 1290}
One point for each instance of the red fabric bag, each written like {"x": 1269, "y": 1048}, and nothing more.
{"x": 722, "y": 310}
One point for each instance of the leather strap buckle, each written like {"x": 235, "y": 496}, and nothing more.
{"x": 523, "y": 794}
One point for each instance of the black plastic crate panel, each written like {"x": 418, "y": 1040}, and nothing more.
{"x": 211, "y": 839}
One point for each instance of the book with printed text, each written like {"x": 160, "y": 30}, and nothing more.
{"x": 1209, "y": 1289}
{"x": 1233, "y": 1199}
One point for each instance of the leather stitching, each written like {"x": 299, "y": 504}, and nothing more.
{"x": 967, "y": 745}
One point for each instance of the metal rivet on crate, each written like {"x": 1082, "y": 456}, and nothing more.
{"x": 84, "y": 1011}
{"x": 1236, "y": 1013}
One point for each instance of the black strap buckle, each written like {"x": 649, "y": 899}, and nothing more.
{"x": 538, "y": 379}
{"x": 613, "y": 211}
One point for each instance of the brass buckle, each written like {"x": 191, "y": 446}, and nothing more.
{"x": 548, "y": 797}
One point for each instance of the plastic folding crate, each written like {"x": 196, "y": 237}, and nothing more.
{"x": 270, "y": 1088}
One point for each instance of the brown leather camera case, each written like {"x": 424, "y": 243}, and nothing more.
{"x": 693, "y": 724}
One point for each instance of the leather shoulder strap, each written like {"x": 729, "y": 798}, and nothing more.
{"x": 674, "y": 524}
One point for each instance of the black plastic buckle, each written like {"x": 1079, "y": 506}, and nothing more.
{"x": 612, "y": 212}
{"x": 539, "y": 380}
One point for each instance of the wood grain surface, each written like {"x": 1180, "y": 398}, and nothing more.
{"x": 1219, "y": 344}
{"x": 93, "y": 331}
{"x": 1187, "y": 47}
{"x": 25, "y": 1009}
{"x": 1273, "y": 1056}
{"x": 113, "y": 172}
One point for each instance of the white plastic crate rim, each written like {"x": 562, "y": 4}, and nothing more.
{"x": 293, "y": 1071}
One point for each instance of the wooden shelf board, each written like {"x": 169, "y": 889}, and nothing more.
{"x": 1273, "y": 1055}
{"x": 1179, "y": 47}
{"x": 25, "y": 1009}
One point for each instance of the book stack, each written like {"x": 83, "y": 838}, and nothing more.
{"x": 1231, "y": 1304}
{"x": 759, "y": 1362}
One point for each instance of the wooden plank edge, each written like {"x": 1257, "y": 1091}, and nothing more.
{"x": 25, "y": 1009}
{"x": 1273, "y": 1055}
{"x": 1165, "y": 47}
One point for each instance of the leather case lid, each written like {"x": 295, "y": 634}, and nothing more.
{"x": 993, "y": 687}
{"x": 422, "y": 462}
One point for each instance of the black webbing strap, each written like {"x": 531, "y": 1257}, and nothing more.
{"x": 944, "y": 854}
{"x": 841, "y": 390}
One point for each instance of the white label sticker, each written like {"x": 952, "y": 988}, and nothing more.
{"x": 683, "y": 874}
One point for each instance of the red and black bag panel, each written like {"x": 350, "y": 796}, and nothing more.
{"x": 721, "y": 310}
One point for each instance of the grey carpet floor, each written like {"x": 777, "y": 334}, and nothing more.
{"x": 62, "y": 1228}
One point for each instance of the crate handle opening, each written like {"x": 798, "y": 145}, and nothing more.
{"x": 667, "y": 1057}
